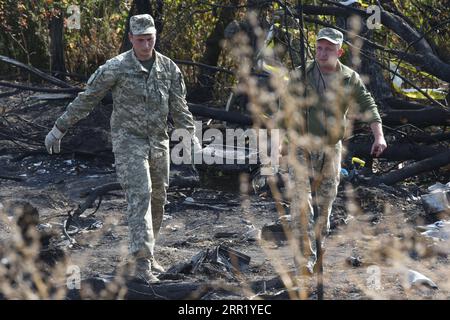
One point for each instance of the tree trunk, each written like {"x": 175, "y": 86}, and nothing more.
{"x": 158, "y": 15}
{"x": 205, "y": 79}
{"x": 56, "y": 28}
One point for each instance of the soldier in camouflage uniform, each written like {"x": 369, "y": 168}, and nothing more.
{"x": 318, "y": 169}
{"x": 146, "y": 86}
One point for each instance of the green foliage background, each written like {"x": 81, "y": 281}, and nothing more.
{"x": 24, "y": 33}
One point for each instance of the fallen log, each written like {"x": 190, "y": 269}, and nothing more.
{"x": 36, "y": 72}
{"x": 429, "y": 138}
{"x": 196, "y": 109}
{"x": 429, "y": 116}
{"x": 105, "y": 154}
{"x": 137, "y": 290}
{"x": 396, "y": 152}
{"x": 11, "y": 178}
{"x": 420, "y": 116}
{"x": 40, "y": 89}
{"x": 97, "y": 193}
{"x": 220, "y": 114}
{"x": 52, "y": 96}
{"x": 440, "y": 160}
{"x": 203, "y": 65}
{"x": 9, "y": 93}
{"x": 426, "y": 116}
{"x": 400, "y": 104}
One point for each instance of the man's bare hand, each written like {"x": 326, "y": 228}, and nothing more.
{"x": 378, "y": 147}
{"x": 379, "y": 144}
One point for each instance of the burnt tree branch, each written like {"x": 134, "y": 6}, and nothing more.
{"x": 396, "y": 151}
{"x": 433, "y": 163}
{"x": 429, "y": 116}
{"x": 39, "y": 89}
{"x": 36, "y": 72}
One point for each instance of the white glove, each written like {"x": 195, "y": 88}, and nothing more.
{"x": 53, "y": 140}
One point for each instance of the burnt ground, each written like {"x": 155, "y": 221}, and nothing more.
{"x": 375, "y": 226}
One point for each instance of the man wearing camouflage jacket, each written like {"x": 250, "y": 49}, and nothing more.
{"x": 146, "y": 86}
{"x": 333, "y": 91}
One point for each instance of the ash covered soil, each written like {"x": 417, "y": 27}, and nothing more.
{"x": 374, "y": 239}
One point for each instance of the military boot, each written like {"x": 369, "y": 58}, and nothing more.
{"x": 143, "y": 271}
{"x": 156, "y": 266}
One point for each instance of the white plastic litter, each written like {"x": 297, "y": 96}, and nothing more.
{"x": 438, "y": 198}
{"x": 439, "y": 231}
{"x": 416, "y": 278}
{"x": 439, "y": 187}
{"x": 253, "y": 234}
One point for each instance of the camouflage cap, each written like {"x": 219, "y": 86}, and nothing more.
{"x": 332, "y": 35}
{"x": 142, "y": 24}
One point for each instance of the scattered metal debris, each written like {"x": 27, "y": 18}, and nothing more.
{"x": 354, "y": 261}
{"x": 219, "y": 235}
{"x": 437, "y": 200}
{"x": 221, "y": 257}
{"x": 253, "y": 234}
{"x": 80, "y": 224}
{"x": 416, "y": 278}
{"x": 357, "y": 261}
{"x": 440, "y": 230}
{"x": 191, "y": 202}
{"x": 276, "y": 231}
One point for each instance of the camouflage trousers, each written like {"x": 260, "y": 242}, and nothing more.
{"x": 324, "y": 179}
{"x": 145, "y": 181}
